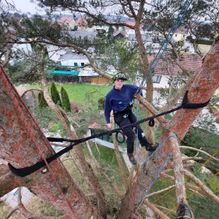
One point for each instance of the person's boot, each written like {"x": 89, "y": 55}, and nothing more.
{"x": 132, "y": 159}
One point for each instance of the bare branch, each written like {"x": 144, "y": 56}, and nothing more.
{"x": 203, "y": 187}
{"x": 199, "y": 150}
{"x": 157, "y": 211}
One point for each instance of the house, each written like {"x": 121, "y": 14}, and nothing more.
{"x": 70, "y": 58}
{"x": 166, "y": 71}
{"x": 88, "y": 75}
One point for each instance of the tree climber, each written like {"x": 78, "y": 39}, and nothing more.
{"x": 120, "y": 101}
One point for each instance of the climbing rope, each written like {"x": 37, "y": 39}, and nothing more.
{"x": 136, "y": 134}
{"x": 158, "y": 170}
{"x": 178, "y": 21}
{"x": 28, "y": 170}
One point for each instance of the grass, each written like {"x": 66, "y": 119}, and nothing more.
{"x": 80, "y": 92}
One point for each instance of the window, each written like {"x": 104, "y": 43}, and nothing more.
{"x": 75, "y": 64}
{"x": 82, "y": 64}
{"x": 156, "y": 79}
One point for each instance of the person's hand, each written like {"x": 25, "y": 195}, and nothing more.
{"x": 109, "y": 126}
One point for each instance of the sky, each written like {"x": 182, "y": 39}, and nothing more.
{"x": 26, "y": 6}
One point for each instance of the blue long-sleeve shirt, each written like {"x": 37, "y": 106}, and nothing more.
{"x": 118, "y": 100}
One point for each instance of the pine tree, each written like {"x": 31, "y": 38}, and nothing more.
{"x": 65, "y": 100}
{"x": 41, "y": 101}
{"x": 55, "y": 95}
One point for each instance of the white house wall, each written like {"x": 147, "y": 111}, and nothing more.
{"x": 71, "y": 62}
{"x": 163, "y": 82}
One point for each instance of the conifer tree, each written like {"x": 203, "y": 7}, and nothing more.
{"x": 41, "y": 101}
{"x": 55, "y": 95}
{"x": 65, "y": 100}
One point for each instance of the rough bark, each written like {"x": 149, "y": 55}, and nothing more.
{"x": 201, "y": 90}
{"x": 178, "y": 171}
{"x": 22, "y": 144}
{"x": 8, "y": 181}
{"x": 78, "y": 153}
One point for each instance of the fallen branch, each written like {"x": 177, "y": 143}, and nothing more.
{"x": 203, "y": 187}
{"x": 199, "y": 150}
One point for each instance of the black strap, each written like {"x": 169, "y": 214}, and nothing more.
{"x": 187, "y": 105}
{"x": 25, "y": 171}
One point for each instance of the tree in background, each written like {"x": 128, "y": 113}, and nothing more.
{"x": 65, "y": 100}
{"x": 42, "y": 101}
{"x": 55, "y": 95}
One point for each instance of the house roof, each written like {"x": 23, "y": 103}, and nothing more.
{"x": 70, "y": 55}
{"x": 191, "y": 62}
{"x": 87, "y": 72}
{"x": 91, "y": 35}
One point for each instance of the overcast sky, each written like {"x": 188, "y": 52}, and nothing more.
{"x": 26, "y": 6}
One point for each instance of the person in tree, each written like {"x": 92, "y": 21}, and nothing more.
{"x": 120, "y": 100}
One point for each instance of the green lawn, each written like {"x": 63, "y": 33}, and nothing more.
{"x": 81, "y": 93}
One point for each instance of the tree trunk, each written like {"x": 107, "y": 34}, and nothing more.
{"x": 202, "y": 89}
{"x": 23, "y": 144}
{"x": 78, "y": 153}
{"x": 8, "y": 181}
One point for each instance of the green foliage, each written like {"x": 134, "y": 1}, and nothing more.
{"x": 65, "y": 100}
{"x": 203, "y": 208}
{"x": 41, "y": 101}
{"x": 48, "y": 120}
{"x": 101, "y": 103}
{"x": 22, "y": 72}
{"x": 55, "y": 95}
{"x": 206, "y": 141}
{"x": 123, "y": 56}
{"x": 38, "y": 27}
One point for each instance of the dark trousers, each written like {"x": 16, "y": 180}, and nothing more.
{"x": 124, "y": 119}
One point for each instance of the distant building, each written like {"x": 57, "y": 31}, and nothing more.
{"x": 71, "y": 58}
{"x": 166, "y": 71}
{"x": 88, "y": 75}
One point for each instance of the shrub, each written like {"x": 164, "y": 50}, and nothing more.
{"x": 65, "y": 100}
{"x": 55, "y": 95}
{"x": 101, "y": 103}
{"x": 41, "y": 100}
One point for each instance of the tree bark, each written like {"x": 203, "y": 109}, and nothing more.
{"x": 201, "y": 90}
{"x": 23, "y": 144}
{"x": 8, "y": 181}
{"x": 78, "y": 153}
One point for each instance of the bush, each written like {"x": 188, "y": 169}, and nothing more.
{"x": 55, "y": 95}
{"x": 101, "y": 103}
{"x": 41, "y": 100}
{"x": 65, "y": 100}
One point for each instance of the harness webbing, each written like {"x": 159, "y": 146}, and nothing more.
{"x": 25, "y": 171}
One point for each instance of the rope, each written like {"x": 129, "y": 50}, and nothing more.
{"x": 28, "y": 170}
{"x": 158, "y": 170}
{"x": 137, "y": 132}
{"x": 177, "y": 23}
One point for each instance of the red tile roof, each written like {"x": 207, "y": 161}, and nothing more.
{"x": 165, "y": 66}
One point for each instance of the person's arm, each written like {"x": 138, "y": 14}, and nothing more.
{"x": 138, "y": 90}
{"x": 134, "y": 90}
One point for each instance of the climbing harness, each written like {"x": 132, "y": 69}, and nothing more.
{"x": 25, "y": 171}
{"x": 120, "y": 137}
